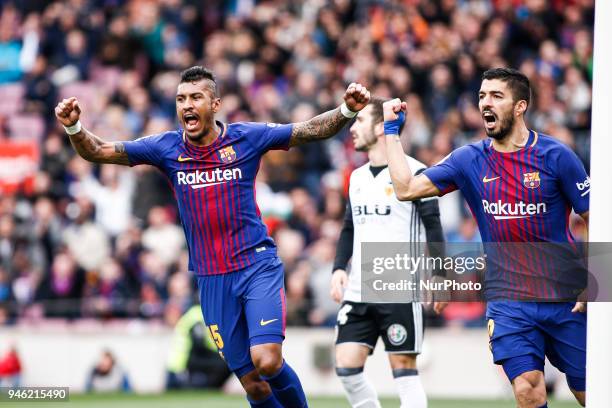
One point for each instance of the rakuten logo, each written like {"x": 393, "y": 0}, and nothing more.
{"x": 206, "y": 178}
{"x": 507, "y": 211}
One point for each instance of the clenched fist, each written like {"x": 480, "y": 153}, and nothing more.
{"x": 68, "y": 111}
{"x": 392, "y": 108}
{"x": 356, "y": 97}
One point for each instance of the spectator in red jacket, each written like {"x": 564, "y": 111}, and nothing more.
{"x": 10, "y": 368}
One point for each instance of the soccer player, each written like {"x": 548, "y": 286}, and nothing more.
{"x": 212, "y": 168}
{"x": 521, "y": 186}
{"x": 373, "y": 214}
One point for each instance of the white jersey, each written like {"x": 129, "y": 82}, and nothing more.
{"x": 378, "y": 216}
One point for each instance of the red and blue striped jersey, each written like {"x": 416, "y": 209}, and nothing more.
{"x": 214, "y": 187}
{"x": 522, "y": 197}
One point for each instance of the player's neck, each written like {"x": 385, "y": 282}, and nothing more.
{"x": 377, "y": 155}
{"x": 208, "y": 138}
{"x": 513, "y": 142}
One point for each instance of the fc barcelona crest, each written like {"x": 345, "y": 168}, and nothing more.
{"x": 227, "y": 154}
{"x": 531, "y": 180}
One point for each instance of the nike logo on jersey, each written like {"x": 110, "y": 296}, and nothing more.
{"x": 487, "y": 180}
{"x": 184, "y": 159}
{"x": 263, "y": 322}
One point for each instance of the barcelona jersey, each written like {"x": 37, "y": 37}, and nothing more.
{"x": 524, "y": 196}
{"x": 214, "y": 187}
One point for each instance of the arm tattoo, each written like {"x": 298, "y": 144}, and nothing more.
{"x": 92, "y": 148}
{"x": 86, "y": 144}
{"x": 320, "y": 127}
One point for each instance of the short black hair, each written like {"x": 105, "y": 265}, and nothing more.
{"x": 198, "y": 73}
{"x": 516, "y": 80}
{"x": 377, "y": 110}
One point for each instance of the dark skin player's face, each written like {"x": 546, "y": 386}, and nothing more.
{"x": 196, "y": 106}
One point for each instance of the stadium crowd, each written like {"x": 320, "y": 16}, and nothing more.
{"x": 83, "y": 241}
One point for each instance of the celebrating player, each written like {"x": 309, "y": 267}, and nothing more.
{"x": 373, "y": 214}
{"x": 212, "y": 168}
{"x": 521, "y": 187}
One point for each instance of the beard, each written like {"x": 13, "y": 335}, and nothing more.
{"x": 366, "y": 142}
{"x": 362, "y": 148}
{"x": 505, "y": 127}
{"x": 198, "y": 136}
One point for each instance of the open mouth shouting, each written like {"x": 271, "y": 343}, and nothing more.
{"x": 490, "y": 119}
{"x": 192, "y": 121}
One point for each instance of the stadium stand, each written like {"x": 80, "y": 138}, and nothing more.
{"x": 69, "y": 249}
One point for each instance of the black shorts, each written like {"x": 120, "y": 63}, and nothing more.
{"x": 399, "y": 324}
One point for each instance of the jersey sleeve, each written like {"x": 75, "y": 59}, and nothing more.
{"x": 445, "y": 174}
{"x": 145, "y": 150}
{"x": 574, "y": 181}
{"x": 268, "y": 136}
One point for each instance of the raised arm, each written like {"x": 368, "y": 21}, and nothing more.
{"x": 407, "y": 187}
{"x": 87, "y": 145}
{"x": 329, "y": 123}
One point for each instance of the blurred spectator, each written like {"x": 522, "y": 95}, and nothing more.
{"x": 107, "y": 293}
{"x": 154, "y": 290}
{"x": 298, "y": 293}
{"x": 179, "y": 291}
{"x": 194, "y": 361}
{"x": 466, "y": 314}
{"x": 324, "y": 310}
{"x": 61, "y": 290}
{"x": 6, "y": 298}
{"x": 10, "y": 368}
{"x": 6, "y": 292}
{"x": 441, "y": 95}
{"x": 47, "y": 228}
{"x": 118, "y": 47}
{"x": 290, "y": 244}
{"x": 86, "y": 240}
{"x": 163, "y": 237}
{"x": 7, "y": 239}
{"x": 468, "y": 232}
{"x": 40, "y": 92}
{"x": 10, "y": 47}
{"x": 107, "y": 375}
{"x": 76, "y": 56}
{"x": 112, "y": 197}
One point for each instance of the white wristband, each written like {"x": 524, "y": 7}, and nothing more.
{"x": 347, "y": 112}
{"x": 74, "y": 129}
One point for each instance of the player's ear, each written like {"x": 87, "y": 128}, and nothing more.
{"x": 379, "y": 129}
{"x": 216, "y": 105}
{"x": 520, "y": 107}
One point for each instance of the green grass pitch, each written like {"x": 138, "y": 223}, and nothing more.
{"x": 192, "y": 399}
